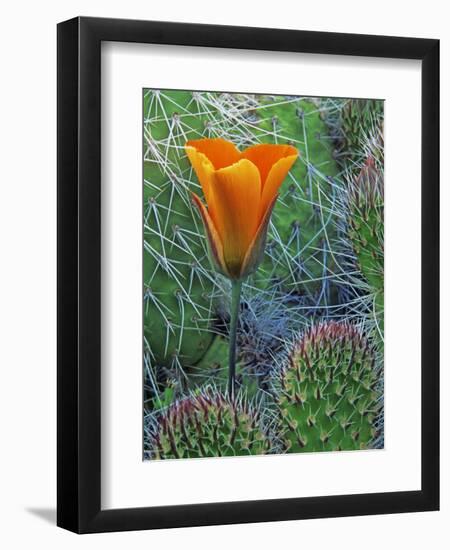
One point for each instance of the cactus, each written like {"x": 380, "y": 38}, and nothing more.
{"x": 209, "y": 425}
{"x": 353, "y": 124}
{"x": 356, "y": 127}
{"x": 366, "y": 232}
{"x": 366, "y": 221}
{"x": 179, "y": 288}
{"x": 327, "y": 395}
{"x": 298, "y": 256}
{"x": 361, "y": 119}
{"x": 213, "y": 366}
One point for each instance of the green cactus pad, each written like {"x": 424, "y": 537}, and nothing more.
{"x": 209, "y": 425}
{"x": 297, "y": 254}
{"x": 328, "y": 397}
{"x": 366, "y": 230}
{"x": 179, "y": 287}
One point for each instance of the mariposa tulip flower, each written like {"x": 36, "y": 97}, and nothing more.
{"x": 240, "y": 190}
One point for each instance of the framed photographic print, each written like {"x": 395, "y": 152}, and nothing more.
{"x": 247, "y": 274}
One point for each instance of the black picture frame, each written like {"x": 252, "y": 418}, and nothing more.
{"x": 79, "y": 280}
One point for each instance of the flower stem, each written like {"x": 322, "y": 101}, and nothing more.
{"x": 236, "y": 287}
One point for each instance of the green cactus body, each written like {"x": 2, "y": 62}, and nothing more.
{"x": 179, "y": 286}
{"x": 366, "y": 230}
{"x": 361, "y": 122}
{"x": 297, "y": 254}
{"x": 209, "y": 425}
{"x": 328, "y": 390}
{"x": 213, "y": 366}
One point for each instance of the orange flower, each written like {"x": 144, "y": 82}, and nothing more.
{"x": 240, "y": 189}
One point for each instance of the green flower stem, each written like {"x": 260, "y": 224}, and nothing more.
{"x": 236, "y": 287}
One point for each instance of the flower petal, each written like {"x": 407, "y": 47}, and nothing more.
{"x": 265, "y": 155}
{"x": 215, "y": 247}
{"x": 255, "y": 252}
{"x": 274, "y": 179}
{"x": 218, "y": 151}
{"x": 236, "y": 193}
{"x": 203, "y": 169}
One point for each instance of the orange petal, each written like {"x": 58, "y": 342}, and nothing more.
{"x": 265, "y": 155}
{"x": 255, "y": 252}
{"x": 203, "y": 169}
{"x": 215, "y": 247}
{"x": 274, "y": 179}
{"x": 218, "y": 151}
{"x": 237, "y": 194}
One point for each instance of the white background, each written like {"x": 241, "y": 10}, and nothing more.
{"x": 127, "y": 481}
{"x": 28, "y": 243}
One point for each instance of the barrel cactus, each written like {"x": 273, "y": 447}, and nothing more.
{"x": 328, "y": 390}
{"x": 209, "y": 424}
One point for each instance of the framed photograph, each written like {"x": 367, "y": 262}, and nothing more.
{"x": 248, "y": 255}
